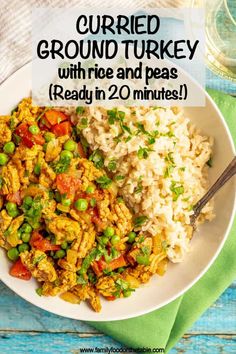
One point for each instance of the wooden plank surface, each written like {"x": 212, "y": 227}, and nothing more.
{"x": 26, "y": 329}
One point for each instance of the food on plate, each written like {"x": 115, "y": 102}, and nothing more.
{"x": 95, "y": 201}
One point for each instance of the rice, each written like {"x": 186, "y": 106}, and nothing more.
{"x": 160, "y": 161}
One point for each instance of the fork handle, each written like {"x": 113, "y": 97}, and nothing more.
{"x": 228, "y": 173}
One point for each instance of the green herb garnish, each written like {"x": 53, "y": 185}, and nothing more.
{"x": 112, "y": 165}
{"x": 210, "y": 162}
{"x": 39, "y": 259}
{"x": 140, "y": 220}
{"x": 80, "y": 110}
{"x": 177, "y": 190}
{"x": 104, "y": 182}
{"x": 97, "y": 158}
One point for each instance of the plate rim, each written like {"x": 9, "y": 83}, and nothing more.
{"x": 28, "y": 66}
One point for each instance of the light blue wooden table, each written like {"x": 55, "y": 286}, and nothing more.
{"x": 27, "y": 329}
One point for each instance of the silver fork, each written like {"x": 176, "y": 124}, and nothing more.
{"x": 228, "y": 173}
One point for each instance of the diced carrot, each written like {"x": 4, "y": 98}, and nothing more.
{"x": 40, "y": 243}
{"x": 110, "y": 298}
{"x": 67, "y": 184}
{"x": 27, "y": 138}
{"x": 18, "y": 270}
{"x": 55, "y": 117}
{"x": 101, "y": 264}
{"x": 61, "y": 129}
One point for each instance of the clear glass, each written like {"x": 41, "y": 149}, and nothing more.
{"x": 220, "y": 20}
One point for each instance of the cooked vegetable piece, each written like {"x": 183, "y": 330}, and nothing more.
{"x": 18, "y": 270}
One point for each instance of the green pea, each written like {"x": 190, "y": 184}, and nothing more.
{"x": 10, "y": 206}
{"x": 25, "y": 237}
{"x": 127, "y": 293}
{"x": 64, "y": 245}
{"x": 23, "y": 247}
{"x": 34, "y": 129}
{"x": 66, "y": 154}
{"x": 52, "y": 253}
{"x": 60, "y": 254}
{"x": 3, "y": 159}
{"x": 12, "y": 209}
{"x": 109, "y": 231}
{"x": 48, "y": 136}
{"x": 13, "y": 254}
{"x": 70, "y": 145}
{"x": 28, "y": 200}
{"x": 93, "y": 202}
{"x": 13, "y": 214}
{"x": 66, "y": 202}
{"x": 144, "y": 260}
{"x": 37, "y": 169}
{"x": 90, "y": 189}
{"x": 115, "y": 239}
{"x": 131, "y": 236}
{"x": 104, "y": 240}
{"x": 26, "y": 228}
{"x": 9, "y": 147}
{"x": 81, "y": 204}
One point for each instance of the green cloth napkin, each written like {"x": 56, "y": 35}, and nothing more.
{"x": 164, "y": 327}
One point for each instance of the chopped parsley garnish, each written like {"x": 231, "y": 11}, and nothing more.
{"x": 16, "y": 139}
{"x": 112, "y": 165}
{"x": 80, "y": 280}
{"x": 92, "y": 277}
{"x": 176, "y": 189}
{"x": 170, "y": 165}
{"x": 88, "y": 260}
{"x": 38, "y": 259}
{"x": 97, "y": 158}
{"x": 39, "y": 291}
{"x": 1, "y": 182}
{"x": 210, "y": 162}
{"x": 115, "y": 116}
{"x": 119, "y": 178}
{"x": 62, "y": 165}
{"x": 12, "y": 123}
{"x": 158, "y": 107}
{"x": 143, "y": 152}
{"x": 80, "y": 110}
{"x": 151, "y": 141}
{"x": 42, "y": 114}
{"x": 164, "y": 245}
{"x": 169, "y": 169}
{"x": 82, "y": 124}
{"x": 104, "y": 182}
{"x": 122, "y": 286}
{"x": 85, "y": 144}
{"x": 126, "y": 128}
{"x": 141, "y": 129}
{"x": 140, "y": 220}
{"x": 139, "y": 187}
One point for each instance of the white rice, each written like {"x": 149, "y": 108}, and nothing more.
{"x": 178, "y": 145}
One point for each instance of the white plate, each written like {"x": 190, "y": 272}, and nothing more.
{"x": 206, "y": 244}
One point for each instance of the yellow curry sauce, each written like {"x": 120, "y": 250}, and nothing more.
{"x": 62, "y": 220}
